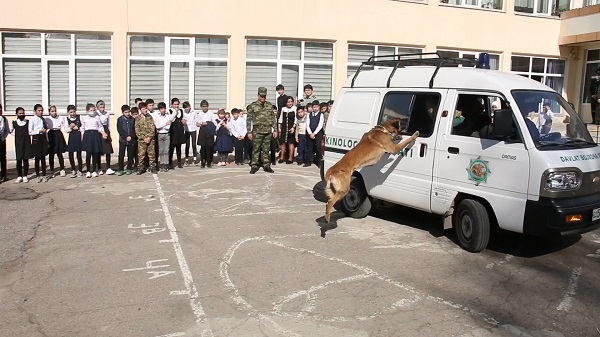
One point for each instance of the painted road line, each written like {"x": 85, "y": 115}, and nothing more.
{"x": 183, "y": 265}
{"x": 567, "y": 301}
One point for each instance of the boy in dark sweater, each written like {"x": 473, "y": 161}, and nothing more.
{"x": 127, "y": 139}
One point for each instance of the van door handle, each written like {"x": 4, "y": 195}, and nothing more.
{"x": 453, "y": 150}
{"x": 422, "y": 150}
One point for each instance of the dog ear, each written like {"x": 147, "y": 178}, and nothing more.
{"x": 396, "y": 124}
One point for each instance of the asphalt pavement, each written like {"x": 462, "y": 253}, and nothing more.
{"x": 220, "y": 252}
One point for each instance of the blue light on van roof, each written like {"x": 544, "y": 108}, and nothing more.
{"x": 484, "y": 61}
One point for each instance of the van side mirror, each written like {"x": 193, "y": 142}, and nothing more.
{"x": 503, "y": 123}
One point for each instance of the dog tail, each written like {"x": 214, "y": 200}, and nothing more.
{"x": 330, "y": 185}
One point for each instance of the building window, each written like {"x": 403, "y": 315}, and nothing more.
{"x": 291, "y": 63}
{"x": 55, "y": 69}
{"x": 549, "y": 71}
{"x": 494, "y": 58}
{"x": 189, "y": 68}
{"x": 490, "y": 4}
{"x": 591, "y": 65}
{"x": 542, "y": 7}
{"x": 358, "y": 53}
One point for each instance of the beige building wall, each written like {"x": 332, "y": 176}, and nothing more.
{"x": 579, "y": 33}
{"x": 426, "y": 24}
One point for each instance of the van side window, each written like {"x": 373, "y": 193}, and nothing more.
{"x": 471, "y": 115}
{"x": 474, "y": 115}
{"x": 418, "y": 111}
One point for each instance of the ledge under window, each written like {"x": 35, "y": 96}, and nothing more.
{"x": 445, "y": 4}
{"x": 541, "y": 16}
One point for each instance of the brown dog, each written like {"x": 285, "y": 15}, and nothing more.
{"x": 372, "y": 146}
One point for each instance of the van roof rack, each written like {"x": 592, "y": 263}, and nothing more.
{"x": 396, "y": 61}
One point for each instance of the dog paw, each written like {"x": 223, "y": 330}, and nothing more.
{"x": 416, "y": 134}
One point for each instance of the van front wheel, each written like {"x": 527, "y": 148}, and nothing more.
{"x": 356, "y": 203}
{"x": 472, "y": 225}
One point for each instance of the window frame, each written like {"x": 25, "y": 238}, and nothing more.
{"x": 545, "y": 75}
{"x": 480, "y": 4}
{"x": 586, "y": 64}
{"x": 461, "y": 54}
{"x": 44, "y": 58}
{"x": 279, "y": 63}
{"x": 553, "y": 8}
{"x": 375, "y": 53}
{"x": 167, "y": 58}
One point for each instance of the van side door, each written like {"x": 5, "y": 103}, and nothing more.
{"x": 470, "y": 160}
{"x": 406, "y": 178}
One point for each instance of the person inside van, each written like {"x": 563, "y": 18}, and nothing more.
{"x": 475, "y": 116}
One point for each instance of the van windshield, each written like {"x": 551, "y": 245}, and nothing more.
{"x": 551, "y": 121}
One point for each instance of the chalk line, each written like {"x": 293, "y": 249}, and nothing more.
{"x": 567, "y": 301}
{"x": 176, "y": 334}
{"x": 243, "y": 305}
{"x": 507, "y": 259}
{"x": 183, "y": 265}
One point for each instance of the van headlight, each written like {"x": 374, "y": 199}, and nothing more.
{"x": 562, "y": 181}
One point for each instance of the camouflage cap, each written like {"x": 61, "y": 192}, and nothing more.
{"x": 262, "y": 91}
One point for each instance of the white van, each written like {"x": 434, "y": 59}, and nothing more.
{"x": 495, "y": 149}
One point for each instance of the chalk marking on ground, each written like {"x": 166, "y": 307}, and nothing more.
{"x": 507, "y": 259}
{"x": 595, "y": 238}
{"x": 175, "y": 334}
{"x": 183, "y": 265}
{"x": 567, "y": 301}
{"x": 245, "y": 306}
{"x": 179, "y": 292}
{"x": 596, "y": 255}
{"x": 275, "y": 211}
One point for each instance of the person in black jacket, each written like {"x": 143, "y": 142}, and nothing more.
{"x": 281, "y": 99}
{"x": 594, "y": 89}
{"x": 127, "y": 139}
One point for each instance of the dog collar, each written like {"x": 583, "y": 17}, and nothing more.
{"x": 384, "y": 130}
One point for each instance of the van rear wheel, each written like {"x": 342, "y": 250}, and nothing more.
{"x": 472, "y": 225}
{"x": 356, "y": 203}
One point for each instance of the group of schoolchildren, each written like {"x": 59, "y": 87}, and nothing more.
{"x": 149, "y": 138}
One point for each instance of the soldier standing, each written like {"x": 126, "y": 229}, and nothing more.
{"x": 145, "y": 130}
{"x": 262, "y": 125}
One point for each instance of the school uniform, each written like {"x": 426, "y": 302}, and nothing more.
{"x": 206, "y": 137}
{"x": 191, "y": 131}
{"x": 106, "y": 143}
{"x": 56, "y": 140}
{"x": 238, "y": 129}
{"x": 126, "y": 128}
{"x": 224, "y": 142}
{"x": 39, "y": 143}
{"x": 92, "y": 141}
{"x": 75, "y": 145}
{"x": 4, "y": 131}
{"x": 287, "y": 120}
{"x": 301, "y": 135}
{"x": 177, "y": 133}
{"x": 314, "y": 126}
{"x": 20, "y": 129}
{"x": 164, "y": 138}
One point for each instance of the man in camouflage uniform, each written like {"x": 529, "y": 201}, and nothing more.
{"x": 145, "y": 130}
{"x": 262, "y": 124}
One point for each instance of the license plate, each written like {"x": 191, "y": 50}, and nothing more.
{"x": 596, "y": 214}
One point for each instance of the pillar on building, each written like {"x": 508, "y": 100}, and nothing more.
{"x": 340, "y": 65}
{"x": 236, "y": 76}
